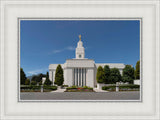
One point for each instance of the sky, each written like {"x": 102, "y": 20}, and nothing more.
{"x": 44, "y": 42}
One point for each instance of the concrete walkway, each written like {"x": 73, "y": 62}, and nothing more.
{"x": 98, "y": 90}
{"x": 95, "y": 89}
{"x": 59, "y": 90}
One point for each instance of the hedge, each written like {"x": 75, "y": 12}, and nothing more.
{"x": 50, "y": 87}
{"x": 121, "y": 87}
{"x": 33, "y": 87}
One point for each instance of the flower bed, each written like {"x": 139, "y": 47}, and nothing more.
{"x": 79, "y": 89}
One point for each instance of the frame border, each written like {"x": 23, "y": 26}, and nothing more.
{"x": 155, "y": 3}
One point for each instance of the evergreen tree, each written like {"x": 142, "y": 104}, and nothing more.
{"x": 100, "y": 75}
{"x": 107, "y": 74}
{"x": 27, "y": 81}
{"x": 137, "y": 71}
{"x": 33, "y": 83}
{"x": 47, "y": 81}
{"x": 22, "y": 77}
{"x": 115, "y": 75}
{"x": 59, "y": 79}
{"x": 128, "y": 74}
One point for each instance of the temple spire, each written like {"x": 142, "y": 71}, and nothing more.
{"x": 79, "y": 37}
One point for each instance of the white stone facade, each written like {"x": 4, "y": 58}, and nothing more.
{"x": 80, "y": 71}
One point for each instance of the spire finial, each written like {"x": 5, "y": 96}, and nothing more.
{"x": 79, "y": 37}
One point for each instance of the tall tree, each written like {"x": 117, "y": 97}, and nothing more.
{"x": 115, "y": 75}
{"x": 107, "y": 72}
{"x": 137, "y": 71}
{"x": 100, "y": 75}
{"x": 47, "y": 81}
{"x": 59, "y": 79}
{"x": 27, "y": 81}
{"x": 128, "y": 74}
{"x": 22, "y": 76}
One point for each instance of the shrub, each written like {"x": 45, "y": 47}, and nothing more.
{"x": 50, "y": 87}
{"x": 47, "y": 81}
{"x": 22, "y": 76}
{"x": 27, "y": 82}
{"x": 115, "y": 75}
{"x": 100, "y": 75}
{"x": 64, "y": 85}
{"x": 33, "y": 83}
{"x": 59, "y": 79}
{"x": 121, "y": 87}
{"x": 128, "y": 74}
{"x": 137, "y": 71}
{"x": 107, "y": 74}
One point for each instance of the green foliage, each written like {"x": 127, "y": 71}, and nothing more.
{"x": 40, "y": 83}
{"x": 107, "y": 74}
{"x": 121, "y": 87}
{"x": 64, "y": 85}
{"x": 31, "y": 87}
{"x": 137, "y": 71}
{"x": 111, "y": 88}
{"x": 22, "y": 76}
{"x": 33, "y": 82}
{"x": 38, "y": 77}
{"x": 27, "y": 82}
{"x": 115, "y": 75}
{"x": 100, "y": 75}
{"x": 50, "y": 87}
{"x": 59, "y": 79}
{"x": 47, "y": 81}
{"x": 128, "y": 74}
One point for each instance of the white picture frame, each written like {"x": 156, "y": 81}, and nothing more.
{"x": 12, "y": 109}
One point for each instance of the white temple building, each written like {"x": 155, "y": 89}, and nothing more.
{"x": 81, "y": 71}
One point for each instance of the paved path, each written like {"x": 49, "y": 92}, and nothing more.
{"x": 59, "y": 90}
{"x": 98, "y": 90}
{"x": 130, "y": 95}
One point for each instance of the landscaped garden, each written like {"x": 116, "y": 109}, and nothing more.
{"x": 79, "y": 89}
{"x": 128, "y": 87}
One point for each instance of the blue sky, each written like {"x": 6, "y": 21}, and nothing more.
{"x": 45, "y": 42}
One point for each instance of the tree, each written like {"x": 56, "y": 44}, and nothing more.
{"x": 115, "y": 75}
{"x": 47, "y": 81}
{"x": 59, "y": 79}
{"x": 38, "y": 78}
{"x": 128, "y": 74}
{"x": 33, "y": 83}
{"x": 27, "y": 81}
{"x": 100, "y": 75}
{"x": 22, "y": 76}
{"x": 107, "y": 74}
{"x": 40, "y": 83}
{"x": 137, "y": 71}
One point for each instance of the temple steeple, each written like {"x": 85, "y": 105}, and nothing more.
{"x": 80, "y": 54}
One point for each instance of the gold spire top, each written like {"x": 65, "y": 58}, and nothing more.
{"x": 79, "y": 37}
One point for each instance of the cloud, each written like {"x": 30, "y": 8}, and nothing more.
{"x": 37, "y": 71}
{"x": 57, "y": 51}
{"x": 70, "y": 48}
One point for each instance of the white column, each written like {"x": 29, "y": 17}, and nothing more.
{"x": 73, "y": 79}
{"x": 75, "y": 76}
{"x": 78, "y": 76}
{"x": 85, "y": 76}
{"x": 81, "y": 77}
